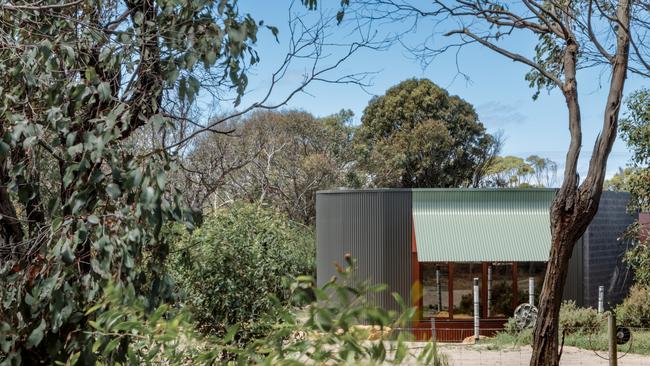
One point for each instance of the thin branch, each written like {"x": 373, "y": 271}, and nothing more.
{"x": 511, "y": 55}
{"x": 39, "y": 7}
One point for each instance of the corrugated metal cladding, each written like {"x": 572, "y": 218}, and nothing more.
{"x": 573, "y": 287}
{"x": 477, "y": 225}
{"x": 375, "y": 227}
{"x": 604, "y": 249}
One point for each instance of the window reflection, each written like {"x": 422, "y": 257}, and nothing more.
{"x": 435, "y": 292}
{"x": 500, "y": 291}
{"x": 464, "y": 274}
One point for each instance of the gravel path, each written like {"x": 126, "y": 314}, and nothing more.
{"x": 476, "y": 356}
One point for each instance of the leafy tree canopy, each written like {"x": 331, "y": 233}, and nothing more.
{"x": 635, "y": 131}
{"x": 620, "y": 181}
{"x": 513, "y": 171}
{"x": 277, "y": 158}
{"x": 417, "y": 135}
{"x": 78, "y": 208}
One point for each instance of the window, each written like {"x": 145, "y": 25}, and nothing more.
{"x": 435, "y": 290}
{"x": 525, "y": 270}
{"x": 463, "y": 277}
{"x": 500, "y": 291}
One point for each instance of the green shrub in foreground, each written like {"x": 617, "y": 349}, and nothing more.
{"x": 124, "y": 333}
{"x": 230, "y": 267}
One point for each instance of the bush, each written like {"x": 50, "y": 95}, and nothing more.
{"x": 635, "y": 309}
{"x": 231, "y": 269}
{"x": 638, "y": 256}
{"x": 574, "y": 319}
{"x": 124, "y": 332}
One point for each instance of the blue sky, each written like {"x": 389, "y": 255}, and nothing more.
{"x": 496, "y": 88}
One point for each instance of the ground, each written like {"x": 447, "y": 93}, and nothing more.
{"x": 479, "y": 355}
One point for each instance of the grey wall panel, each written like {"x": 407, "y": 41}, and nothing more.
{"x": 398, "y": 226}
{"x": 374, "y": 226}
{"x": 604, "y": 250}
{"x": 573, "y": 289}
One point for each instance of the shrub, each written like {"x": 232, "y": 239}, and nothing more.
{"x": 124, "y": 332}
{"x": 638, "y": 256}
{"x": 231, "y": 269}
{"x": 635, "y": 309}
{"x": 574, "y": 319}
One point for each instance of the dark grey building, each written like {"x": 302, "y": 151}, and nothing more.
{"x": 428, "y": 245}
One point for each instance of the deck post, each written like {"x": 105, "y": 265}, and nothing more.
{"x": 439, "y": 289}
{"x": 531, "y": 291}
{"x": 611, "y": 332}
{"x": 476, "y": 310}
{"x": 433, "y": 329}
{"x": 489, "y": 290}
{"x": 601, "y": 299}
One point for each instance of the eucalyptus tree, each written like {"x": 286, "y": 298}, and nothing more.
{"x": 570, "y": 36}
{"x": 513, "y": 171}
{"x": 635, "y": 131}
{"x": 80, "y": 205}
{"x": 276, "y": 158}
{"x": 417, "y": 135}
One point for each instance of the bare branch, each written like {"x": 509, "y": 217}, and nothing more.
{"x": 511, "y": 55}
{"x": 34, "y": 7}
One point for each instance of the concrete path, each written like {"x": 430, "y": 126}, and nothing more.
{"x": 463, "y": 355}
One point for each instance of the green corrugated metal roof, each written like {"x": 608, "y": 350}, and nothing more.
{"x": 475, "y": 225}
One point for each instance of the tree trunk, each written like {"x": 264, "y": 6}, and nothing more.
{"x": 566, "y": 229}
{"x": 574, "y": 207}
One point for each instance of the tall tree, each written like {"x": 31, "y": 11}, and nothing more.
{"x": 544, "y": 170}
{"x": 635, "y": 131}
{"x": 571, "y": 35}
{"x": 513, "y": 171}
{"x": 508, "y": 171}
{"x": 276, "y": 158}
{"x": 620, "y": 181}
{"x": 81, "y": 206}
{"x": 417, "y": 135}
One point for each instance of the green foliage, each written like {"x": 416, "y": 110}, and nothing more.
{"x": 280, "y": 158}
{"x": 513, "y": 171}
{"x": 640, "y": 343}
{"x": 325, "y": 331}
{"x": 77, "y": 208}
{"x": 635, "y": 131}
{"x": 417, "y": 135}
{"x": 620, "y": 182}
{"x": 575, "y": 319}
{"x": 635, "y": 309}
{"x": 229, "y": 268}
{"x": 332, "y": 317}
{"x": 549, "y": 53}
{"x": 638, "y": 256}
{"x": 585, "y": 328}
{"x": 578, "y": 326}
{"x": 635, "y": 126}
{"x": 126, "y": 333}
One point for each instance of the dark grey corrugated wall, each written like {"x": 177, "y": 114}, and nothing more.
{"x": 603, "y": 251}
{"x": 574, "y": 280}
{"x": 374, "y": 226}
